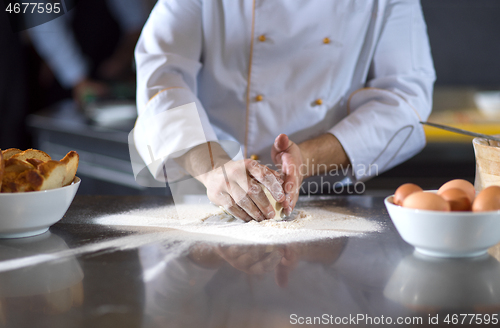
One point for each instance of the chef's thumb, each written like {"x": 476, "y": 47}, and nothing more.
{"x": 281, "y": 143}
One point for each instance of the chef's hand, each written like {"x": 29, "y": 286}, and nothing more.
{"x": 299, "y": 162}
{"x": 287, "y": 155}
{"x": 254, "y": 259}
{"x": 234, "y": 185}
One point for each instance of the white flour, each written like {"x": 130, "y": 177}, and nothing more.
{"x": 209, "y": 223}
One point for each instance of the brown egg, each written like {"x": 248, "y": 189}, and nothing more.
{"x": 404, "y": 191}
{"x": 487, "y": 200}
{"x": 460, "y": 184}
{"x": 426, "y": 201}
{"x": 457, "y": 198}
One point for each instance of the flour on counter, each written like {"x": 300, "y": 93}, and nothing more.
{"x": 306, "y": 223}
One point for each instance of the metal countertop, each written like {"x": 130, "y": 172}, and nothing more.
{"x": 82, "y": 274}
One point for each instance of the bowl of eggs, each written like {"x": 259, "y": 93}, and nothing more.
{"x": 450, "y": 222}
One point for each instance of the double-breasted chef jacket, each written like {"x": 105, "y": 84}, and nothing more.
{"x": 358, "y": 69}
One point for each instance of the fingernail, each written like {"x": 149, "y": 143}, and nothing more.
{"x": 270, "y": 215}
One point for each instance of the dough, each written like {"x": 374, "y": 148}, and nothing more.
{"x": 277, "y": 206}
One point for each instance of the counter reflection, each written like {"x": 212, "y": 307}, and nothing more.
{"x": 431, "y": 284}
{"x": 38, "y": 294}
{"x": 242, "y": 285}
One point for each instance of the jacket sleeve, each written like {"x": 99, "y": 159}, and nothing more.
{"x": 168, "y": 61}
{"x": 382, "y": 128}
{"x": 56, "y": 44}
{"x": 130, "y": 14}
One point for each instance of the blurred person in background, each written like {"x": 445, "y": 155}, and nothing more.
{"x": 88, "y": 47}
{"x": 13, "y": 90}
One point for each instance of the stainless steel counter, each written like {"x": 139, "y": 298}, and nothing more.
{"x": 81, "y": 274}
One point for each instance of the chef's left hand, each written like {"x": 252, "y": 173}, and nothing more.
{"x": 287, "y": 155}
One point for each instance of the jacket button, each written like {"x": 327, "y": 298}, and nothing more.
{"x": 255, "y": 157}
{"x": 259, "y": 98}
{"x": 326, "y": 40}
{"x": 319, "y": 102}
{"x": 262, "y": 38}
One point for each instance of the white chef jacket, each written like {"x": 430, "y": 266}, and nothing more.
{"x": 359, "y": 69}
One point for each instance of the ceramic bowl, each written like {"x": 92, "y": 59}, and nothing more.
{"x": 446, "y": 234}
{"x": 32, "y": 213}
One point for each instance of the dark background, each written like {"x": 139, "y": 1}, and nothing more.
{"x": 465, "y": 41}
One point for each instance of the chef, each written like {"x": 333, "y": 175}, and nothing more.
{"x": 308, "y": 87}
{"x": 78, "y": 59}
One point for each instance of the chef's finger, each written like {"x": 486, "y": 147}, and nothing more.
{"x": 265, "y": 176}
{"x": 291, "y": 194}
{"x": 232, "y": 208}
{"x": 242, "y": 200}
{"x": 256, "y": 193}
{"x": 279, "y": 175}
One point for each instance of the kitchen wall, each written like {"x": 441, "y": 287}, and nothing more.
{"x": 465, "y": 41}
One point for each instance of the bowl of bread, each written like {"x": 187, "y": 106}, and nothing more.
{"x": 36, "y": 190}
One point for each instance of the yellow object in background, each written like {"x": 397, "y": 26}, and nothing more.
{"x": 469, "y": 119}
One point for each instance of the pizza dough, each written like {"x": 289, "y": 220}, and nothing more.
{"x": 276, "y": 206}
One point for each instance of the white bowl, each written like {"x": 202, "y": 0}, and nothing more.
{"x": 32, "y": 213}
{"x": 446, "y": 234}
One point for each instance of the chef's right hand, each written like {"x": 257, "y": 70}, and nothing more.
{"x": 235, "y": 186}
